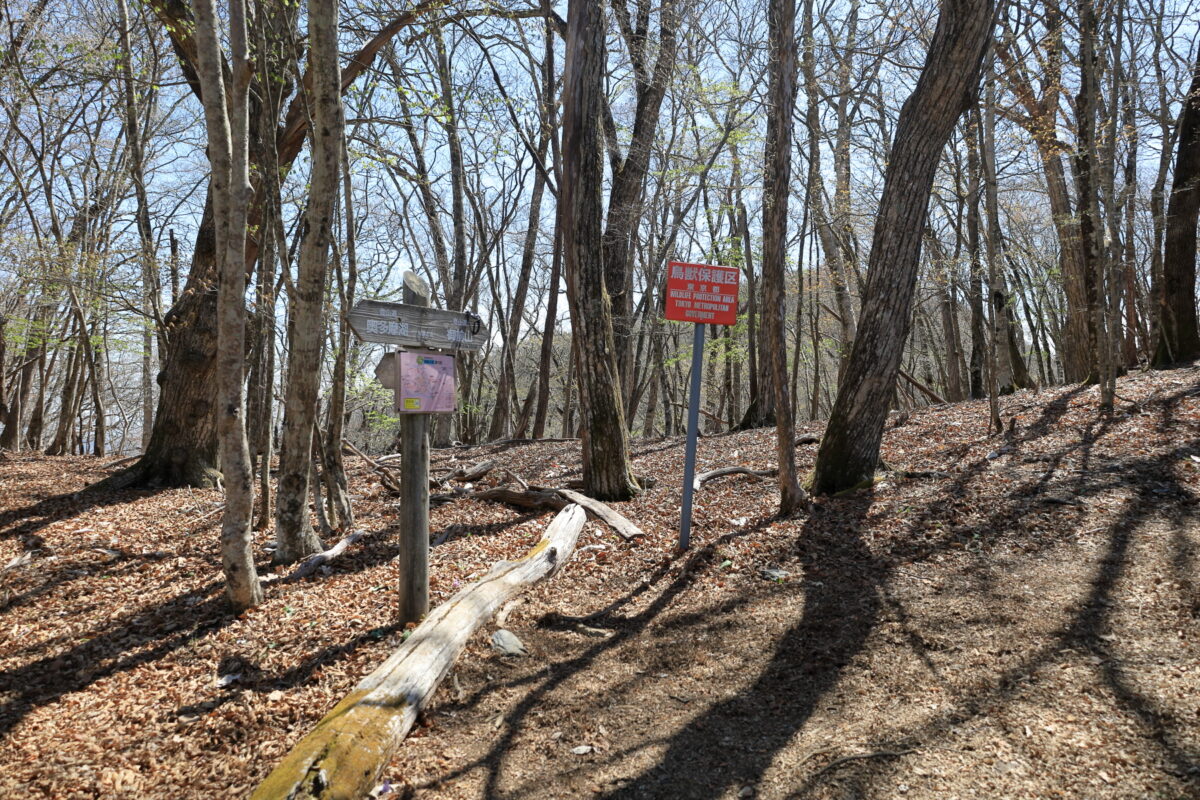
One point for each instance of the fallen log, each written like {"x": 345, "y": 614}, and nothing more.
{"x": 531, "y": 498}
{"x": 344, "y": 755}
{"x": 622, "y": 526}
{"x": 469, "y": 474}
{"x": 385, "y": 474}
{"x": 756, "y": 474}
{"x": 541, "y": 498}
{"x": 317, "y": 560}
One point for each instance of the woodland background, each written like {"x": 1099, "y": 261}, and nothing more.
{"x": 377, "y": 140}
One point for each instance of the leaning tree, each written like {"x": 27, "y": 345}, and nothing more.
{"x": 948, "y": 86}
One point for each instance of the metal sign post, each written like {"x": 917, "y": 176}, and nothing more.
{"x": 703, "y": 294}
{"x": 422, "y": 382}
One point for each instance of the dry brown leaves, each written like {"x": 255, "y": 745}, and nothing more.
{"x": 1020, "y": 619}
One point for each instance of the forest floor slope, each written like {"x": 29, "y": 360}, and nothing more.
{"x": 1013, "y": 616}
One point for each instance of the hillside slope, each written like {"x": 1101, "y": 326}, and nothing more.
{"x": 1009, "y": 617}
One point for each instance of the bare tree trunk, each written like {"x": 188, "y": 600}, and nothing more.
{"x": 1012, "y": 374}
{"x": 1041, "y": 121}
{"x": 980, "y": 341}
{"x": 1179, "y": 339}
{"x": 261, "y": 398}
{"x": 228, "y": 136}
{"x": 502, "y": 415}
{"x": 37, "y": 417}
{"x": 133, "y": 137}
{"x": 777, "y": 160}
{"x": 1087, "y": 180}
{"x": 334, "y": 467}
{"x": 94, "y": 379}
{"x": 541, "y": 409}
{"x": 607, "y": 474}
{"x": 3, "y": 367}
{"x": 629, "y": 173}
{"x": 827, "y": 231}
{"x": 294, "y": 534}
{"x": 60, "y": 444}
{"x": 849, "y": 451}
{"x": 1135, "y": 331}
{"x": 456, "y": 290}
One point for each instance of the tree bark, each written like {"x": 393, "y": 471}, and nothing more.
{"x": 607, "y": 472}
{"x": 849, "y": 451}
{"x": 227, "y": 123}
{"x": 294, "y": 533}
{"x": 183, "y": 445}
{"x": 629, "y": 174}
{"x": 1178, "y": 336}
{"x": 133, "y": 138}
{"x": 777, "y": 161}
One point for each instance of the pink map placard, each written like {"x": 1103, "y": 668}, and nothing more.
{"x": 426, "y": 383}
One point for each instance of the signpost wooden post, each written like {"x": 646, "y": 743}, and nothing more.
{"x": 414, "y": 503}
{"x": 704, "y": 294}
{"x": 422, "y": 381}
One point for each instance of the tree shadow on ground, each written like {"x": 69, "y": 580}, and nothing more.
{"x": 151, "y": 632}
{"x": 23, "y": 524}
{"x": 1087, "y": 632}
{"x": 163, "y": 628}
{"x": 839, "y": 614}
{"x": 841, "y": 611}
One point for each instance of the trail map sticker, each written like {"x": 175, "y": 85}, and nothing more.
{"x": 426, "y": 383}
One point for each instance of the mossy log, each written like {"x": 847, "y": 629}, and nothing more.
{"x": 345, "y": 754}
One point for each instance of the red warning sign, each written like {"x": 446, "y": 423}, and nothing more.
{"x": 702, "y": 293}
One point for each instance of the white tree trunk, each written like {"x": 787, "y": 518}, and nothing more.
{"x": 226, "y": 121}
{"x": 293, "y": 529}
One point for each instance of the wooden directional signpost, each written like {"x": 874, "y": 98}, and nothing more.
{"x": 421, "y": 376}
{"x": 706, "y": 295}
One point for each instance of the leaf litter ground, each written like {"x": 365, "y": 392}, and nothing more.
{"x": 1013, "y": 616}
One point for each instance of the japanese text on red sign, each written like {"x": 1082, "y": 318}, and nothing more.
{"x": 702, "y": 293}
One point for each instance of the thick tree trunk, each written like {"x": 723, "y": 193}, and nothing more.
{"x": 849, "y": 451}
{"x": 607, "y": 471}
{"x": 183, "y": 446}
{"x": 1179, "y": 338}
